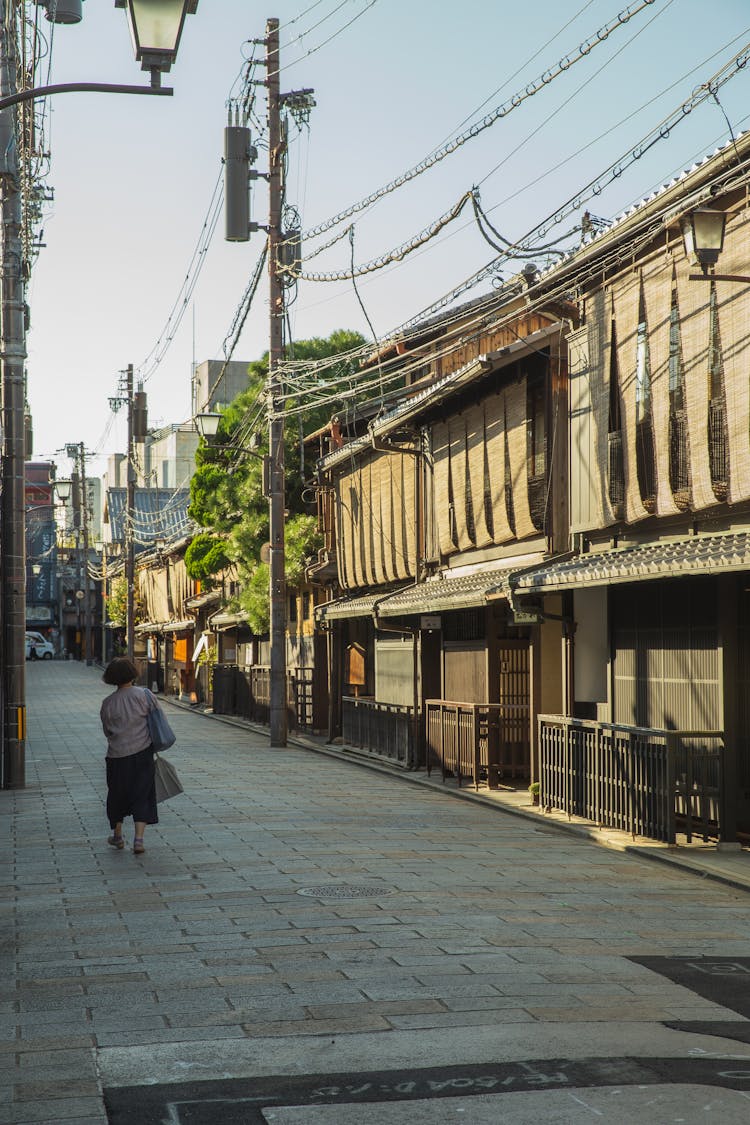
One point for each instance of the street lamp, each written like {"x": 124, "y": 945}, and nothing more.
{"x": 155, "y": 28}
{"x": 703, "y": 233}
{"x": 62, "y": 490}
{"x": 207, "y": 425}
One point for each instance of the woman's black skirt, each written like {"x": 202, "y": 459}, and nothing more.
{"x": 130, "y": 788}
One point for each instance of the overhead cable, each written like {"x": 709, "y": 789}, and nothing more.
{"x": 561, "y": 67}
{"x": 396, "y": 255}
{"x": 149, "y": 364}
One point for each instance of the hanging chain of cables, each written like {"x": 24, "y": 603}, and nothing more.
{"x": 561, "y": 67}
{"x": 306, "y": 378}
{"x": 399, "y": 253}
{"x": 595, "y": 187}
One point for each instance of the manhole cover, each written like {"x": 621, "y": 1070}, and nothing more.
{"x": 342, "y": 890}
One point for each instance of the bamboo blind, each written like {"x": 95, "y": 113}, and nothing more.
{"x": 734, "y": 323}
{"x": 600, "y": 353}
{"x": 476, "y": 448}
{"x": 494, "y": 428}
{"x": 442, "y": 487}
{"x": 341, "y": 523}
{"x": 626, "y": 297}
{"x": 399, "y": 531}
{"x": 515, "y": 420}
{"x": 693, "y": 298}
{"x": 365, "y": 533}
{"x": 657, "y": 296}
{"x": 347, "y": 516}
{"x": 152, "y": 587}
{"x": 457, "y": 429}
{"x": 408, "y": 462}
{"x": 182, "y": 585}
{"x": 386, "y": 519}
{"x": 358, "y": 536}
{"x": 379, "y": 572}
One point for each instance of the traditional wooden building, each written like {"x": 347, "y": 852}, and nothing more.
{"x": 543, "y": 547}
{"x": 441, "y": 496}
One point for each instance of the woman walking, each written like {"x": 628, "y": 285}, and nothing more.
{"x": 130, "y": 756}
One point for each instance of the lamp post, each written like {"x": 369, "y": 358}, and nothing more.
{"x": 152, "y": 25}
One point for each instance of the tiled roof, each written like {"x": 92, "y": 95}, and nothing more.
{"x": 346, "y": 607}
{"x": 227, "y": 620}
{"x": 693, "y": 555}
{"x": 435, "y": 595}
{"x": 160, "y": 513}
{"x": 200, "y": 601}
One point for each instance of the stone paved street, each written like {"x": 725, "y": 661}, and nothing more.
{"x": 305, "y": 934}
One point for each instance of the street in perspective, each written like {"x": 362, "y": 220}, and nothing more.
{"x": 374, "y": 562}
{"x": 309, "y": 939}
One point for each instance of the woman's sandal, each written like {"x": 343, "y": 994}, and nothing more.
{"x": 138, "y": 848}
{"x": 116, "y": 842}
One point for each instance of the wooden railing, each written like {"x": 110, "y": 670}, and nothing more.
{"x": 383, "y": 728}
{"x": 477, "y": 741}
{"x": 247, "y": 694}
{"x": 647, "y": 782}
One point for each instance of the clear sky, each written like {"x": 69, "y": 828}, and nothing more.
{"x": 133, "y": 177}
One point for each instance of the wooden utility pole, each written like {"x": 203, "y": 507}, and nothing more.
{"x": 276, "y": 489}
{"x": 87, "y": 607}
{"x": 12, "y": 510}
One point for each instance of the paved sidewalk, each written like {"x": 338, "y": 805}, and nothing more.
{"x": 728, "y": 864}
{"x": 307, "y": 940}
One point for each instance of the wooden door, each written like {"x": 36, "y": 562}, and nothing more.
{"x": 514, "y": 697}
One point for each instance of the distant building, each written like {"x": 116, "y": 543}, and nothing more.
{"x": 42, "y": 603}
{"x": 213, "y": 390}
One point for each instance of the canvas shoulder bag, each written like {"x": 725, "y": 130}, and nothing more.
{"x": 161, "y": 734}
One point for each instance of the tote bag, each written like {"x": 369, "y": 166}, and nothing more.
{"x": 161, "y": 734}
{"x": 167, "y": 782}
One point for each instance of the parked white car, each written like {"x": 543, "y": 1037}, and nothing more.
{"x": 38, "y": 647}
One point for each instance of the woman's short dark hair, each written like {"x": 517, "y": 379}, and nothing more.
{"x": 120, "y": 671}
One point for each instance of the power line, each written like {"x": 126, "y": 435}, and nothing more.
{"x": 150, "y": 363}
{"x": 501, "y": 111}
{"x": 396, "y": 255}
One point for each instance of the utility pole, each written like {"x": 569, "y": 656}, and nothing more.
{"x": 78, "y": 454}
{"x": 130, "y": 520}
{"x": 86, "y": 578}
{"x": 276, "y": 488}
{"x": 12, "y": 356}
{"x": 282, "y": 248}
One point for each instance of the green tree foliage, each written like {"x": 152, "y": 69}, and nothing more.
{"x": 205, "y": 556}
{"x": 226, "y": 491}
{"x": 117, "y": 602}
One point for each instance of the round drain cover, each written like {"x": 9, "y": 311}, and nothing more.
{"x": 343, "y": 890}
